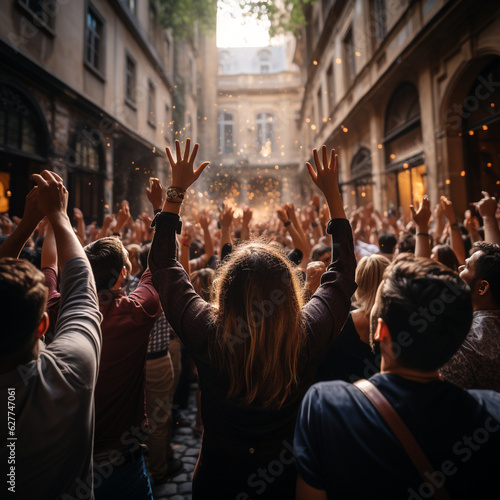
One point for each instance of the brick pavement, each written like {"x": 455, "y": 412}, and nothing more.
{"x": 186, "y": 447}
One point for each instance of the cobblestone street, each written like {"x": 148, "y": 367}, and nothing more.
{"x": 186, "y": 447}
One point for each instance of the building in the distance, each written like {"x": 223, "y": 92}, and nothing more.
{"x": 87, "y": 89}
{"x": 408, "y": 93}
{"x": 257, "y": 148}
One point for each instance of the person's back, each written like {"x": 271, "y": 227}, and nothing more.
{"x": 423, "y": 312}
{"x": 48, "y": 391}
{"x": 476, "y": 364}
{"x": 256, "y": 348}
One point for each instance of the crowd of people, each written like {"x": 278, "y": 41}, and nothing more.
{"x": 323, "y": 340}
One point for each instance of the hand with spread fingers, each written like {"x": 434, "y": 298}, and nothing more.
{"x": 326, "y": 177}
{"x": 182, "y": 168}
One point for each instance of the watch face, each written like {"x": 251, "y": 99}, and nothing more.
{"x": 172, "y": 193}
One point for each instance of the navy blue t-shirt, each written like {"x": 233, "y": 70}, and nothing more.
{"x": 345, "y": 447}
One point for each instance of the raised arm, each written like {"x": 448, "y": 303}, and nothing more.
{"x": 421, "y": 219}
{"x": 456, "y": 241}
{"x": 487, "y": 207}
{"x": 13, "y": 245}
{"x": 329, "y": 306}
{"x": 226, "y": 220}
{"x": 204, "y": 221}
{"x": 245, "y": 229}
{"x": 52, "y": 199}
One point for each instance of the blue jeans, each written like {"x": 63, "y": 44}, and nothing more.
{"x": 127, "y": 478}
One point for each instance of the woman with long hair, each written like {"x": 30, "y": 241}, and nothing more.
{"x": 350, "y": 357}
{"x": 256, "y": 346}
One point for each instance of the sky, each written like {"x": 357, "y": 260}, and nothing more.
{"x": 234, "y": 31}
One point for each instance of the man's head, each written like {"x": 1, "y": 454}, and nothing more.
{"x": 426, "y": 310}
{"x": 387, "y": 243}
{"x": 482, "y": 273}
{"x": 109, "y": 261}
{"x": 23, "y": 297}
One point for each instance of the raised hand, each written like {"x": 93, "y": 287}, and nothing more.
{"x": 50, "y": 193}
{"x": 448, "y": 211}
{"x": 155, "y": 193}
{"x": 182, "y": 168}
{"x": 282, "y": 215}
{"x": 486, "y": 206}
{"x": 422, "y": 216}
{"x": 326, "y": 178}
{"x": 247, "y": 216}
{"x": 226, "y": 217}
{"x": 204, "y": 220}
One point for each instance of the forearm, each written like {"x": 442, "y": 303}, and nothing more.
{"x": 209, "y": 244}
{"x": 67, "y": 243}
{"x": 13, "y": 245}
{"x": 422, "y": 242}
{"x": 184, "y": 257}
{"x": 335, "y": 205}
{"x": 457, "y": 243}
{"x": 245, "y": 232}
{"x": 49, "y": 250}
{"x": 491, "y": 230}
{"x": 225, "y": 237}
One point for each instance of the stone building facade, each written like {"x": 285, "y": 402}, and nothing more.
{"x": 408, "y": 93}
{"x": 257, "y": 148}
{"x": 87, "y": 89}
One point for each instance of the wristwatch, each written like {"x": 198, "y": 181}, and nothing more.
{"x": 174, "y": 193}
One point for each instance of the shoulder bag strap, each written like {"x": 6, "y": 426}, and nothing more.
{"x": 402, "y": 433}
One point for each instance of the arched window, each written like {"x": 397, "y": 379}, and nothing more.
{"x": 265, "y": 133}
{"x": 264, "y": 61}
{"x": 87, "y": 171}
{"x": 225, "y": 63}
{"x": 19, "y": 124}
{"x": 361, "y": 176}
{"x": 226, "y": 133}
{"x": 405, "y": 168}
{"x": 24, "y": 143}
{"x": 481, "y": 133}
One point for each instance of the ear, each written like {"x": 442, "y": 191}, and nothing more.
{"x": 484, "y": 287}
{"x": 42, "y": 326}
{"x": 382, "y": 331}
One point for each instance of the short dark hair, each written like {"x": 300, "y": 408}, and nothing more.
{"x": 427, "y": 308}
{"x": 318, "y": 250}
{"x": 387, "y": 242}
{"x": 487, "y": 266}
{"x": 446, "y": 256}
{"x": 143, "y": 255}
{"x": 406, "y": 243}
{"x": 107, "y": 258}
{"x": 23, "y": 298}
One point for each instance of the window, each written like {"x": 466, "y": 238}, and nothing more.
{"x": 130, "y": 85}
{"x": 225, "y": 63}
{"x": 264, "y": 61}
{"x": 94, "y": 40}
{"x": 42, "y": 10}
{"x": 225, "y": 139}
{"x": 87, "y": 171}
{"x": 361, "y": 177}
{"x": 18, "y": 124}
{"x": 330, "y": 87}
{"x": 265, "y": 134}
{"x": 378, "y": 21}
{"x": 152, "y": 23}
{"x": 151, "y": 104}
{"x": 349, "y": 58}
